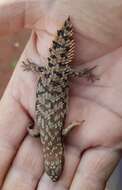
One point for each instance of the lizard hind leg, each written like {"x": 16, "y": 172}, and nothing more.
{"x": 71, "y": 126}
{"x": 31, "y": 66}
{"x": 86, "y": 73}
{"x": 33, "y": 130}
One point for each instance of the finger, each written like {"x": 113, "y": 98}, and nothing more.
{"x": 26, "y": 168}
{"x": 72, "y": 157}
{"x": 13, "y": 122}
{"x": 14, "y": 118}
{"x": 95, "y": 168}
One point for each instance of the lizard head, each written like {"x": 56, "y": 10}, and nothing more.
{"x": 54, "y": 169}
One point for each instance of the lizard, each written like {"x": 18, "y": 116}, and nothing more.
{"x": 52, "y": 98}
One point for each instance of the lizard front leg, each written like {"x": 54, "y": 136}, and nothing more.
{"x": 33, "y": 130}
{"x": 31, "y": 66}
{"x": 71, "y": 126}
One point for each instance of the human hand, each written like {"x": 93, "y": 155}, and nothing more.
{"x": 91, "y": 150}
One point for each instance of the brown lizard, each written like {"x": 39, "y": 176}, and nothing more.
{"x": 52, "y": 98}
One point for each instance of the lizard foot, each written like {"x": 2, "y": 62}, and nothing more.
{"x": 71, "y": 126}
{"x": 33, "y": 131}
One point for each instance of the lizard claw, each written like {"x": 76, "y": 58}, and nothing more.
{"x": 26, "y": 65}
{"x": 90, "y": 75}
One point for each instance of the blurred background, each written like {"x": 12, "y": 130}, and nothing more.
{"x": 10, "y": 49}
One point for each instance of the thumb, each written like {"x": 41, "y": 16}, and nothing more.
{"x": 95, "y": 168}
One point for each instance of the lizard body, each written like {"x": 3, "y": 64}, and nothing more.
{"x": 52, "y": 98}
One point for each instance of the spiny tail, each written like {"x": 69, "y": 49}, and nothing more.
{"x": 62, "y": 49}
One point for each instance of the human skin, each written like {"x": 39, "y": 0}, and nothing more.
{"x": 92, "y": 150}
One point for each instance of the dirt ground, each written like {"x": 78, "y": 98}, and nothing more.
{"x": 10, "y": 50}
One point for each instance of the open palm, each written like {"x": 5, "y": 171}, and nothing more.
{"x": 92, "y": 150}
